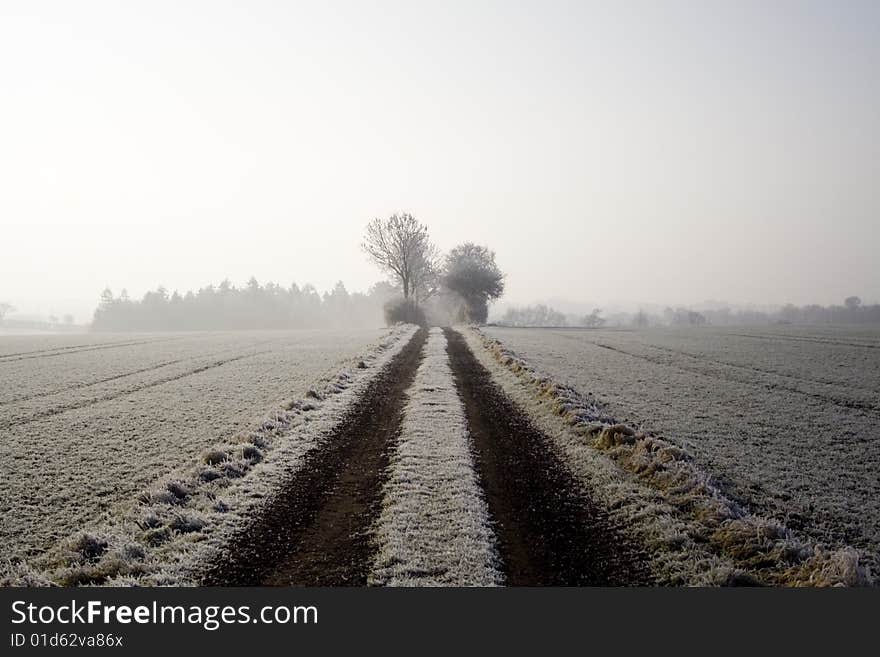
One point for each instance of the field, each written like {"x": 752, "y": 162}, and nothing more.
{"x": 787, "y": 419}
{"x": 441, "y": 457}
{"x": 87, "y": 422}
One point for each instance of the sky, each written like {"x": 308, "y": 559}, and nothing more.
{"x": 613, "y": 152}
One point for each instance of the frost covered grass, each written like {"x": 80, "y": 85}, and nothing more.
{"x": 82, "y": 432}
{"x": 785, "y": 418}
{"x": 696, "y": 533}
{"x": 434, "y": 527}
{"x": 162, "y": 535}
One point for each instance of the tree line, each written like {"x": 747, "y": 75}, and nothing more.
{"x": 852, "y": 311}
{"x": 543, "y": 315}
{"x": 253, "y": 306}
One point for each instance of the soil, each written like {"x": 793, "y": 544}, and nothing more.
{"x": 317, "y": 530}
{"x": 550, "y": 533}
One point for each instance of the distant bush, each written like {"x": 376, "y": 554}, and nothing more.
{"x": 404, "y": 311}
{"x": 538, "y": 315}
{"x": 594, "y": 319}
{"x": 684, "y": 317}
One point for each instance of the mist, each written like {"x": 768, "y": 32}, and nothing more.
{"x": 612, "y": 155}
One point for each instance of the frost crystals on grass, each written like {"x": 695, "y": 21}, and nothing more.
{"x": 434, "y": 527}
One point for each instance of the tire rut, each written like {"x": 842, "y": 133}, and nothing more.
{"x": 317, "y": 530}
{"x": 549, "y": 531}
{"x": 123, "y": 375}
{"x": 86, "y": 403}
{"x": 795, "y": 338}
{"x": 851, "y": 404}
{"x": 90, "y": 384}
{"x": 757, "y": 370}
{"x": 66, "y": 351}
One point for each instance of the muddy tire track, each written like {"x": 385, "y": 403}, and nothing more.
{"x": 317, "y": 530}
{"x": 550, "y": 533}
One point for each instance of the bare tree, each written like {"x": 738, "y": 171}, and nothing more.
{"x": 400, "y": 246}
{"x": 426, "y": 277}
{"x": 5, "y": 308}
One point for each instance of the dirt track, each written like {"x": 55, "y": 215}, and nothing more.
{"x": 318, "y": 530}
{"x": 549, "y": 532}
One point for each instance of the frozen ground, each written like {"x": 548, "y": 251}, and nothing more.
{"x": 434, "y": 527}
{"x": 31, "y": 340}
{"x": 787, "y": 418}
{"x": 88, "y": 422}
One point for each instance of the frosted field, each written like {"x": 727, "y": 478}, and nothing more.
{"x": 786, "y": 418}
{"x": 86, "y": 422}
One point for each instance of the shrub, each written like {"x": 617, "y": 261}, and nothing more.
{"x": 404, "y": 311}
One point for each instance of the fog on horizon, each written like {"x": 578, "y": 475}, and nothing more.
{"x": 607, "y": 152}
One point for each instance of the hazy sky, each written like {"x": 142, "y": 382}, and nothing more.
{"x": 658, "y": 151}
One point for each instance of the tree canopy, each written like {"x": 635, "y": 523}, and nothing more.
{"x": 471, "y": 272}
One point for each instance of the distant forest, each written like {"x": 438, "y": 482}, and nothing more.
{"x": 272, "y": 306}
{"x": 853, "y": 311}
{"x": 253, "y": 306}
